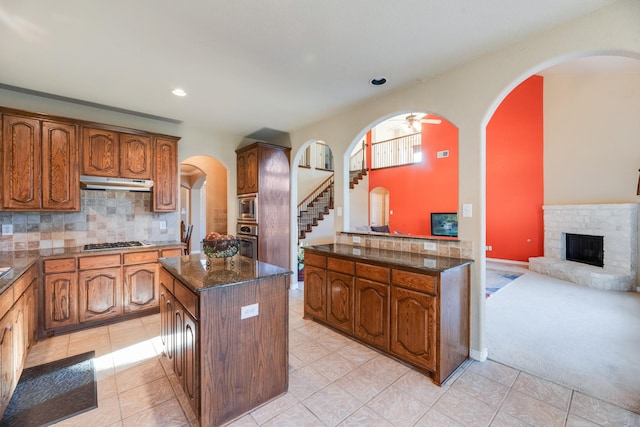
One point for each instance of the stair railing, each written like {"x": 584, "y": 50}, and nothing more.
{"x": 307, "y": 205}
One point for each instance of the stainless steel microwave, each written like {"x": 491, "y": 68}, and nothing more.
{"x": 248, "y": 207}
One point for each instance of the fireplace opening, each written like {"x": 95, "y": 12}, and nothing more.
{"x": 585, "y": 249}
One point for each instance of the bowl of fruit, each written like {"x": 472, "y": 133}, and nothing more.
{"x": 216, "y": 245}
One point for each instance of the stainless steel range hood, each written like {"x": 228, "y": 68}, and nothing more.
{"x": 108, "y": 183}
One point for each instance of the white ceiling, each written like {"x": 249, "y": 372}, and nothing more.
{"x": 249, "y": 65}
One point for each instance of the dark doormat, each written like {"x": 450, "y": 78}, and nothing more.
{"x": 53, "y": 391}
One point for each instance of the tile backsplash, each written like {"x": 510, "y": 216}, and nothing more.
{"x": 105, "y": 216}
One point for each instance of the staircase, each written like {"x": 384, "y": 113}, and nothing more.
{"x": 319, "y": 203}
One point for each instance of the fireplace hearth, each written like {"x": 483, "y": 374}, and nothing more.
{"x": 585, "y": 248}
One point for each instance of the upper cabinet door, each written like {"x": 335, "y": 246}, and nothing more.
{"x": 100, "y": 152}
{"x": 165, "y": 184}
{"x": 21, "y": 162}
{"x": 247, "y": 171}
{"x": 60, "y": 175}
{"x": 135, "y": 156}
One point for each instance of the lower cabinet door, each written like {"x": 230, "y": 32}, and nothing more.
{"x": 100, "y": 294}
{"x": 413, "y": 327}
{"x": 191, "y": 383}
{"x": 166, "y": 322}
{"x": 315, "y": 292}
{"x": 372, "y": 312}
{"x": 7, "y": 362}
{"x": 60, "y": 300}
{"x": 340, "y": 301}
{"x": 178, "y": 341}
{"x": 140, "y": 287}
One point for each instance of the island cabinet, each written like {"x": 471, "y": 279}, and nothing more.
{"x": 225, "y": 333}
{"x": 17, "y": 331}
{"x": 391, "y": 302}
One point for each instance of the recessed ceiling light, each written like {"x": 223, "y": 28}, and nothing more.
{"x": 378, "y": 81}
{"x": 179, "y": 92}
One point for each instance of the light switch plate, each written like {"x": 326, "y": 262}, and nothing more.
{"x": 430, "y": 246}
{"x": 163, "y": 225}
{"x": 249, "y": 311}
{"x": 7, "y": 229}
{"x": 356, "y": 239}
{"x": 467, "y": 210}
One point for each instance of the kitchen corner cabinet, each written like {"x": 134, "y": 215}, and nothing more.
{"x": 39, "y": 165}
{"x": 264, "y": 169}
{"x": 17, "y": 331}
{"x": 419, "y": 316}
{"x": 165, "y": 186}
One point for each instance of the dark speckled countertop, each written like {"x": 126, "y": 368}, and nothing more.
{"x": 384, "y": 256}
{"x": 21, "y": 261}
{"x": 192, "y": 270}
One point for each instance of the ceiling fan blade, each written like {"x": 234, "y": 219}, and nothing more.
{"x": 431, "y": 121}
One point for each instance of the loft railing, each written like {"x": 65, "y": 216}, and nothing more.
{"x": 357, "y": 161}
{"x": 397, "y": 151}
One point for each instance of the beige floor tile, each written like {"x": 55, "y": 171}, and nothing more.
{"x": 464, "y": 409}
{"x": 139, "y": 374}
{"x": 532, "y": 411}
{"x": 544, "y": 390}
{"x": 273, "y": 408}
{"x": 495, "y": 371}
{"x": 89, "y": 334}
{"x": 398, "y": 407}
{"x": 365, "y": 417}
{"x": 574, "y": 421}
{"x": 245, "y": 421}
{"x": 481, "y": 388}
{"x": 134, "y": 354}
{"x": 332, "y": 404}
{"x": 309, "y": 352}
{"x": 145, "y": 396}
{"x": 358, "y": 353}
{"x": 386, "y": 368}
{"x": 297, "y": 415}
{"x": 295, "y": 363}
{"x": 182, "y": 398}
{"x": 434, "y": 418}
{"x": 166, "y": 414}
{"x": 505, "y": 420}
{"x": 306, "y": 381}
{"x": 362, "y": 384}
{"x": 107, "y": 387}
{"x": 420, "y": 387}
{"x": 333, "y": 366}
{"x": 602, "y": 413}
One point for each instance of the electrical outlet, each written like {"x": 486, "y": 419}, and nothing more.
{"x": 356, "y": 251}
{"x": 489, "y": 248}
{"x": 7, "y": 229}
{"x": 249, "y": 311}
{"x": 356, "y": 239}
{"x": 430, "y": 246}
{"x": 163, "y": 225}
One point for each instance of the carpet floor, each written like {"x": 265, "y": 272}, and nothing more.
{"x": 52, "y": 392}
{"x": 583, "y": 338}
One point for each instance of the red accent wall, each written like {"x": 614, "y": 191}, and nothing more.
{"x": 515, "y": 180}
{"x": 419, "y": 189}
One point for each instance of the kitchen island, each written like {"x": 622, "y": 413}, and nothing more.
{"x": 224, "y": 328}
{"x": 411, "y": 306}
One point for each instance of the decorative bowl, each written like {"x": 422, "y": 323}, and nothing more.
{"x": 220, "y": 248}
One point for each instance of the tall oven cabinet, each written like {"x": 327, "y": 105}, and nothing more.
{"x": 263, "y": 169}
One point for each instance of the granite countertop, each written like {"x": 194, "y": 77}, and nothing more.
{"x": 385, "y": 256}
{"x": 21, "y": 261}
{"x": 192, "y": 270}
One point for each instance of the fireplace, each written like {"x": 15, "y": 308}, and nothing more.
{"x": 585, "y": 248}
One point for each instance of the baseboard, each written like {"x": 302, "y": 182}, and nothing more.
{"x": 479, "y": 355}
{"x": 508, "y": 261}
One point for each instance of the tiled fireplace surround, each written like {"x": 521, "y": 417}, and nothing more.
{"x": 618, "y": 223}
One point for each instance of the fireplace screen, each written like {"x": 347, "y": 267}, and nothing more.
{"x": 585, "y": 249}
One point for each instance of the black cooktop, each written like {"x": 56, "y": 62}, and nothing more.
{"x": 113, "y": 245}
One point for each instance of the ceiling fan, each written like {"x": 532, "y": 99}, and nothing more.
{"x": 413, "y": 121}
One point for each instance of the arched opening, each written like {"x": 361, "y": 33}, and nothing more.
{"x": 203, "y": 197}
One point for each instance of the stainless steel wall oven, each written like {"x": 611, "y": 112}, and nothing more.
{"x": 247, "y": 235}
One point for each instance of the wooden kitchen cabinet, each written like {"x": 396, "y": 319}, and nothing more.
{"x": 100, "y": 152}
{"x": 60, "y": 174}
{"x": 419, "y": 316}
{"x": 21, "y": 162}
{"x": 340, "y": 291}
{"x": 7, "y": 363}
{"x": 140, "y": 287}
{"x": 247, "y": 171}
{"x": 166, "y": 321}
{"x": 371, "y": 317}
{"x": 136, "y": 155}
{"x": 100, "y": 294}
{"x": 413, "y": 327}
{"x": 165, "y": 185}
{"x": 61, "y": 300}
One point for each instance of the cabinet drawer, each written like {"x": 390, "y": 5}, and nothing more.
{"x": 166, "y": 280}
{"x": 415, "y": 281}
{"x": 99, "y": 261}
{"x": 316, "y": 260}
{"x": 372, "y": 272}
{"x": 140, "y": 257}
{"x": 23, "y": 282}
{"x": 186, "y": 297}
{"x": 166, "y": 253}
{"x": 61, "y": 265}
{"x": 341, "y": 265}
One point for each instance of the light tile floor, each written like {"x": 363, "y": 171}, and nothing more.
{"x": 333, "y": 381}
